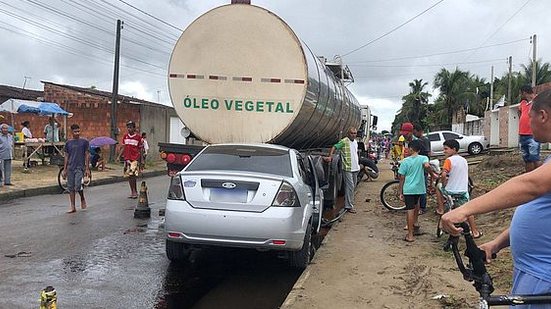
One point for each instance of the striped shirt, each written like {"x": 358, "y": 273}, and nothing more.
{"x": 349, "y": 150}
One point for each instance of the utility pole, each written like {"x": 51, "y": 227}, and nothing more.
{"x": 114, "y": 97}
{"x": 534, "y": 62}
{"x": 25, "y": 82}
{"x": 510, "y": 80}
{"x": 491, "y": 90}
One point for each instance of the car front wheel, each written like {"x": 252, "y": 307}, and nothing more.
{"x": 475, "y": 148}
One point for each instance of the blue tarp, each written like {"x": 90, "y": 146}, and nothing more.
{"x": 35, "y": 107}
{"x": 51, "y": 108}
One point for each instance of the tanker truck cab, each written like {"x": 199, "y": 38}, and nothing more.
{"x": 259, "y": 196}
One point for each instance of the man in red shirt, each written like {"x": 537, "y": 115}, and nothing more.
{"x": 132, "y": 151}
{"x": 529, "y": 147}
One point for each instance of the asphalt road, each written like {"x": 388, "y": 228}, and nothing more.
{"x": 104, "y": 258}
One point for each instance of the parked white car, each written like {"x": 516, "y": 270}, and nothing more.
{"x": 258, "y": 196}
{"x": 473, "y": 144}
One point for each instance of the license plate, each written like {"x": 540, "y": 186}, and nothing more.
{"x": 228, "y": 195}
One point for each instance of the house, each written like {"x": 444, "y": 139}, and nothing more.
{"x": 91, "y": 109}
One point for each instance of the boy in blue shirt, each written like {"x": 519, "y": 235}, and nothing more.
{"x": 412, "y": 185}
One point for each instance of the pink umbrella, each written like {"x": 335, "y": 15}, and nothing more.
{"x": 101, "y": 141}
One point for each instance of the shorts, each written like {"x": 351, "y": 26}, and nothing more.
{"x": 529, "y": 148}
{"x": 131, "y": 168}
{"x": 459, "y": 199}
{"x": 74, "y": 180}
{"x": 411, "y": 200}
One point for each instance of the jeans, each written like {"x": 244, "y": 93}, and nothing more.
{"x": 350, "y": 180}
{"x": 5, "y": 171}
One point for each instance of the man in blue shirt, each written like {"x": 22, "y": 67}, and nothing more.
{"x": 528, "y": 235}
{"x": 76, "y": 166}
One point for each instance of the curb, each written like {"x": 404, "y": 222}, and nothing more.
{"x": 54, "y": 189}
{"x": 295, "y": 292}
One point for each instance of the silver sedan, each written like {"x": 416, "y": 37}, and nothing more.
{"x": 257, "y": 196}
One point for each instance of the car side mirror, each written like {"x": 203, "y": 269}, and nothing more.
{"x": 461, "y": 137}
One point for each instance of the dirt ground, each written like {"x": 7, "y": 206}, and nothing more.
{"x": 364, "y": 262}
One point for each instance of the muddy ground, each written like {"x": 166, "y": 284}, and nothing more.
{"x": 375, "y": 268}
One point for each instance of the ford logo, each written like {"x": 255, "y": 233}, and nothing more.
{"x": 229, "y": 185}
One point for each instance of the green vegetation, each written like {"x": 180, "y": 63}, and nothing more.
{"x": 461, "y": 92}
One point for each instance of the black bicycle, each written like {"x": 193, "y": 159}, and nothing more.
{"x": 390, "y": 195}
{"x": 475, "y": 271}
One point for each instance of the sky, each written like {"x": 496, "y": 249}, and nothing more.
{"x": 386, "y": 43}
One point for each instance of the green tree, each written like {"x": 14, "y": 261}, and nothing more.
{"x": 455, "y": 94}
{"x": 414, "y": 107}
{"x": 543, "y": 74}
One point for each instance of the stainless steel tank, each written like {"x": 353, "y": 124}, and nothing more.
{"x": 239, "y": 73}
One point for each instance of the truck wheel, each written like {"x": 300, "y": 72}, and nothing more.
{"x": 176, "y": 251}
{"x": 300, "y": 259}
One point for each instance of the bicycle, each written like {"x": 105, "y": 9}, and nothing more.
{"x": 62, "y": 182}
{"x": 475, "y": 271}
{"x": 449, "y": 204}
{"x": 390, "y": 195}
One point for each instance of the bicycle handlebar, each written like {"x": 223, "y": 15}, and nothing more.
{"x": 476, "y": 271}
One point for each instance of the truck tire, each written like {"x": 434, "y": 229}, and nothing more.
{"x": 176, "y": 251}
{"x": 300, "y": 259}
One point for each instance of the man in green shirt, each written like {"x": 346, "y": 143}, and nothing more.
{"x": 350, "y": 165}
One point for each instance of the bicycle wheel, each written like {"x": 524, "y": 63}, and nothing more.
{"x": 60, "y": 181}
{"x": 390, "y": 196}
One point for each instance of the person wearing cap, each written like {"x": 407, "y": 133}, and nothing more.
{"x": 406, "y": 136}
{"x": 132, "y": 151}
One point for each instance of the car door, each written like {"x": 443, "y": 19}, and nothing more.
{"x": 436, "y": 143}
{"x": 457, "y": 137}
{"x": 314, "y": 163}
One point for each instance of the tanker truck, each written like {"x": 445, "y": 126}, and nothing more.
{"x": 239, "y": 74}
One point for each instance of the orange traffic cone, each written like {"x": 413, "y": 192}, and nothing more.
{"x": 142, "y": 210}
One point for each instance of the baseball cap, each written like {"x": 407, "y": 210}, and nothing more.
{"x": 406, "y": 128}
{"x": 130, "y": 123}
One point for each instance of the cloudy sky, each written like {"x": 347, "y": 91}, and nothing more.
{"x": 71, "y": 41}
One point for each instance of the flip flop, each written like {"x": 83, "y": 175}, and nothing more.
{"x": 408, "y": 240}
{"x": 480, "y": 234}
{"x": 351, "y": 210}
{"x": 71, "y": 211}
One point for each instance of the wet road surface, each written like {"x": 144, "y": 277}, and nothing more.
{"x": 104, "y": 258}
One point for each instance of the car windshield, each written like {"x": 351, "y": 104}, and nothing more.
{"x": 243, "y": 158}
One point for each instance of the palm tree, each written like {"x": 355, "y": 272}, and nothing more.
{"x": 455, "y": 93}
{"x": 543, "y": 72}
{"x": 415, "y": 105}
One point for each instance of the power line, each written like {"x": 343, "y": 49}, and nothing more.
{"x": 502, "y": 25}
{"x": 145, "y": 22}
{"x": 429, "y": 65}
{"x": 394, "y": 29}
{"x": 70, "y": 50}
{"x": 442, "y": 53}
{"x": 157, "y": 19}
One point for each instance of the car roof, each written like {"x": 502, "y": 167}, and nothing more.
{"x": 263, "y": 145}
